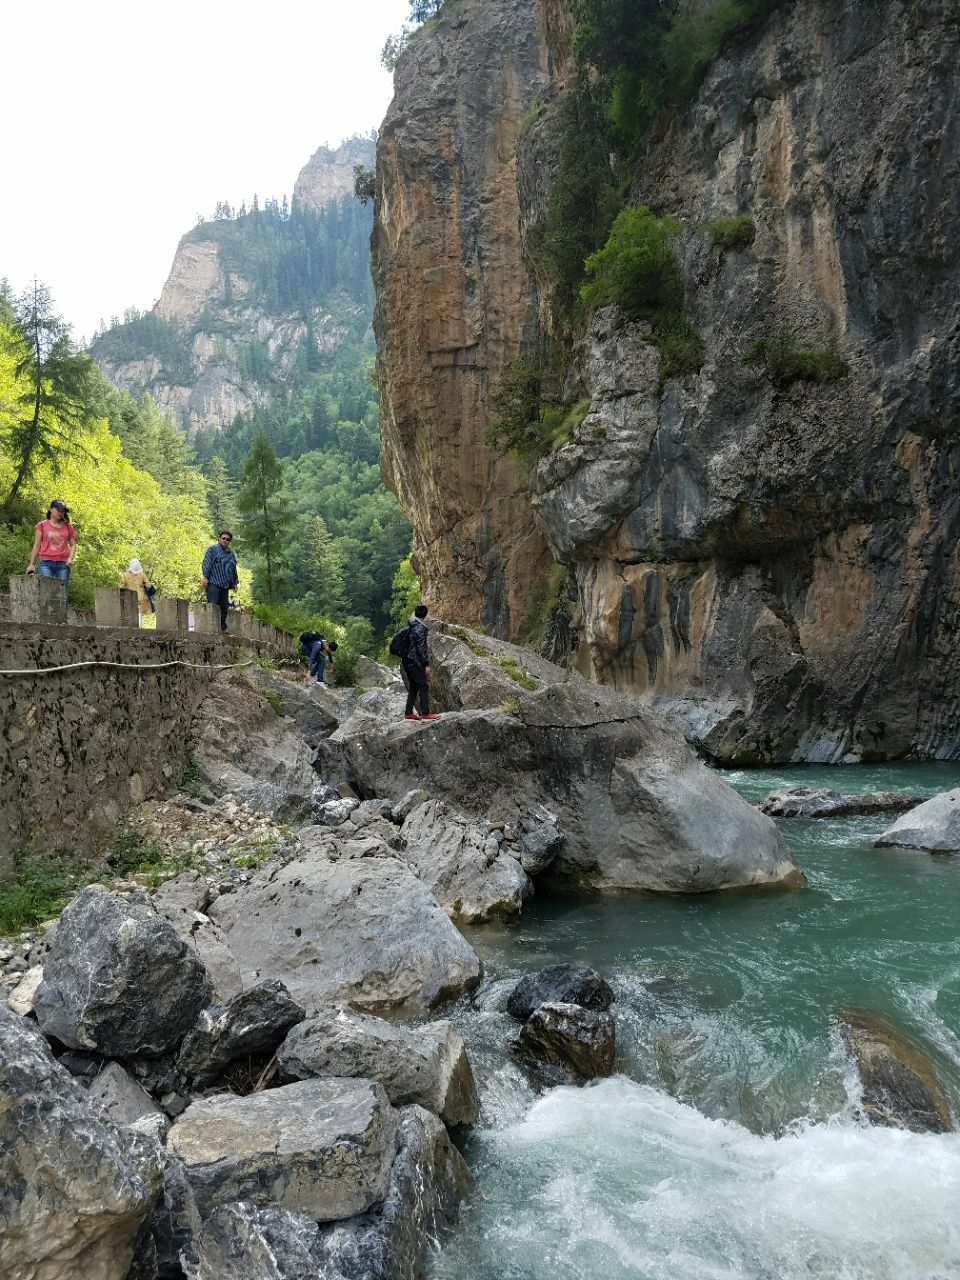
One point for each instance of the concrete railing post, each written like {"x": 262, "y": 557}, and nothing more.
{"x": 116, "y": 607}
{"x": 208, "y": 618}
{"x": 249, "y": 626}
{"x": 173, "y": 614}
{"x": 36, "y": 599}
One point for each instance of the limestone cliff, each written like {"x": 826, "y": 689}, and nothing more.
{"x": 220, "y": 340}
{"x": 774, "y": 567}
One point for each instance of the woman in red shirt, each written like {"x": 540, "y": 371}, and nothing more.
{"x": 55, "y": 543}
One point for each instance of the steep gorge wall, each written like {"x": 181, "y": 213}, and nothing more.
{"x": 775, "y": 568}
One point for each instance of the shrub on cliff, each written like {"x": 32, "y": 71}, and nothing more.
{"x": 786, "y": 362}
{"x": 732, "y": 233}
{"x": 532, "y": 416}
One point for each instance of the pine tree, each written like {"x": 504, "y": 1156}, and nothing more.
{"x": 60, "y": 394}
{"x": 265, "y": 517}
{"x": 221, "y": 497}
{"x": 326, "y": 571}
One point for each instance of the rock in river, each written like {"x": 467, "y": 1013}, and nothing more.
{"x": 563, "y": 983}
{"x": 933, "y": 825}
{"x": 566, "y": 1042}
{"x": 814, "y": 802}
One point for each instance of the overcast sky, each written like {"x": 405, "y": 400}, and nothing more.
{"x": 123, "y": 121}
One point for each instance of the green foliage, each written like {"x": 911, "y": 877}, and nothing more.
{"x": 192, "y": 783}
{"x": 139, "y": 336}
{"x": 130, "y": 852}
{"x": 326, "y": 571}
{"x": 680, "y": 345}
{"x": 364, "y": 182}
{"x": 515, "y": 672}
{"x": 532, "y": 419}
{"x": 732, "y": 233}
{"x": 265, "y": 515}
{"x": 275, "y": 699}
{"x": 637, "y": 268}
{"x": 38, "y": 891}
{"x": 221, "y": 497}
{"x": 786, "y": 362}
{"x": 404, "y": 594}
{"x": 544, "y": 603}
{"x": 509, "y": 707}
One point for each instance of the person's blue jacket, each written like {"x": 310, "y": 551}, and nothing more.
{"x": 417, "y": 654}
{"x": 220, "y": 567}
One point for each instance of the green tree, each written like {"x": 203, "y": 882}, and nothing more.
{"x": 326, "y": 571}
{"x": 404, "y": 593}
{"x": 265, "y": 517}
{"x": 59, "y": 390}
{"x": 221, "y": 497}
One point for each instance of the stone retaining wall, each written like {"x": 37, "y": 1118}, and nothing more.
{"x": 79, "y": 747}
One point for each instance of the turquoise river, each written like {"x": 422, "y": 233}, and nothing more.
{"x": 728, "y": 1145}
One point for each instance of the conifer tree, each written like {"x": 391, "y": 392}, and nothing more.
{"x": 265, "y": 516}
{"x": 221, "y": 497}
{"x": 60, "y": 389}
{"x": 326, "y": 571}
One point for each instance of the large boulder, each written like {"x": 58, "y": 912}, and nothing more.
{"x": 900, "y": 1085}
{"x": 814, "y": 802}
{"x": 933, "y": 826}
{"x": 252, "y": 1023}
{"x": 247, "y": 747}
{"x": 323, "y": 1148}
{"x": 116, "y": 1095}
{"x": 119, "y": 980}
{"x": 559, "y": 983}
{"x": 182, "y": 902}
{"x": 363, "y": 931}
{"x": 73, "y": 1194}
{"x": 566, "y": 1042}
{"x": 637, "y": 808}
{"x": 428, "y": 1182}
{"x": 463, "y": 864}
{"x": 425, "y": 1064}
{"x": 243, "y": 1242}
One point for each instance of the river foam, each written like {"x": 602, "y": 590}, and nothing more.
{"x": 620, "y": 1180}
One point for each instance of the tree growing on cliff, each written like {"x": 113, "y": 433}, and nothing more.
{"x": 57, "y": 390}
{"x": 265, "y": 517}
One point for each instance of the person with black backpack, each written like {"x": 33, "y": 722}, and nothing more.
{"x": 410, "y": 646}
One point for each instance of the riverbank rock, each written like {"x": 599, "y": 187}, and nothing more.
{"x": 119, "y": 980}
{"x": 559, "y": 983}
{"x": 242, "y": 1242}
{"x": 182, "y": 902}
{"x": 73, "y": 1195}
{"x": 637, "y": 808}
{"x": 463, "y": 864}
{"x": 814, "y": 802}
{"x": 323, "y": 1148}
{"x": 114, "y": 1093}
{"x": 428, "y": 1182}
{"x": 246, "y": 747}
{"x": 900, "y": 1085}
{"x": 540, "y": 836}
{"x": 363, "y": 931}
{"x": 933, "y": 826}
{"x": 425, "y": 1064}
{"x": 252, "y": 1023}
{"x": 567, "y": 1042}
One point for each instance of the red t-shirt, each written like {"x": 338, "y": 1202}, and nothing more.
{"x": 55, "y": 540}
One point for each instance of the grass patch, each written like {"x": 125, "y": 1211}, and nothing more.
{"x": 680, "y": 345}
{"x": 515, "y": 672}
{"x": 465, "y": 638}
{"x": 510, "y": 707}
{"x": 786, "y": 362}
{"x": 39, "y": 891}
{"x": 192, "y": 783}
{"x": 275, "y": 699}
{"x": 544, "y": 603}
{"x": 732, "y": 233}
{"x": 132, "y": 853}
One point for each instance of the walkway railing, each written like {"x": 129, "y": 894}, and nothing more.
{"x": 44, "y": 600}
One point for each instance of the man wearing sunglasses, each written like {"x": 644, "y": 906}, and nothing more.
{"x": 219, "y": 574}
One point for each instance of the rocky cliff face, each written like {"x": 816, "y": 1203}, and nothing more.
{"x": 774, "y": 567}
{"x": 213, "y": 313}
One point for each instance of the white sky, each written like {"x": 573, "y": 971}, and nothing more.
{"x": 125, "y": 120}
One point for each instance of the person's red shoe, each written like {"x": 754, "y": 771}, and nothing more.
{"x": 406, "y": 717}
{"x": 431, "y": 715}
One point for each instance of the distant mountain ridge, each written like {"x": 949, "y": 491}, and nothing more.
{"x": 253, "y": 300}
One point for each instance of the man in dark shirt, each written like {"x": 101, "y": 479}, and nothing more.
{"x": 219, "y": 574}
{"x": 416, "y": 664}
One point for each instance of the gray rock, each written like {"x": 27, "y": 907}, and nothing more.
{"x": 541, "y": 838}
{"x": 243, "y": 1242}
{"x": 204, "y": 937}
{"x": 559, "y": 983}
{"x": 74, "y": 1194}
{"x": 425, "y": 1064}
{"x": 463, "y": 865}
{"x": 933, "y": 826}
{"x": 115, "y": 1094}
{"x": 119, "y": 980}
{"x": 900, "y": 1085}
{"x": 245, "y": 748}
{"x": 323, "y": 1148}
{"x": 638, "y": 809}
{"x": 21, "y": 998}
{"x": 187, "y": 892}
{"x": 415, "y": 797}
{"x": 428, "y": 1182}
{"x": 567, "y": 1042}
{"x": 364, "y": 931}
{"x": 155, "y": 1126}
{"x": 254, "y": 1022}
{"x": 314, "y": 717}
{"x": 813, "y": 802}
{"x": 335, "y": 812}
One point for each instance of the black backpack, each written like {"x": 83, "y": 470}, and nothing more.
{"x": 306, "y": 640}
{"x": 400, "y": 644}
